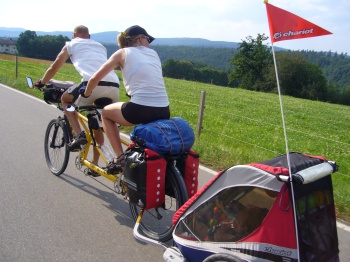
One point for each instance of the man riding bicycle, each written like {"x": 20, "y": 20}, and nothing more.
{"x": 87, "y": 57}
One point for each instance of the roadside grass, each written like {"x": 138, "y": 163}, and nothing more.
{"x": 239, "y": 126}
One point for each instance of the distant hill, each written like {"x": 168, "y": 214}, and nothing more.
{"x": 110, "y": 37}
{"x": 10, "y": 32}
{"x": 216, "y": 54}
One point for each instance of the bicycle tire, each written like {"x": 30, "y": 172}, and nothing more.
{"x": 222, "y": 258}
{"x": 161, "y": 229}
{"x": 56, "y": 146}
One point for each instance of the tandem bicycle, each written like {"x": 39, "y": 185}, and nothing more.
{"x": 154, "y": 223}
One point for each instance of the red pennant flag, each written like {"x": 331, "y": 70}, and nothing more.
{"x": 287, "y": 26}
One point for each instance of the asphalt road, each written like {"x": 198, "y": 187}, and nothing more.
{"x": 68, "y": 218}
{"x": 47, "y": 218}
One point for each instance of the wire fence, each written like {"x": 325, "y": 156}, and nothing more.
{"x": 226, "y": 124}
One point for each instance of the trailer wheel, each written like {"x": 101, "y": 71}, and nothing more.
{"x": 222, "y": 258}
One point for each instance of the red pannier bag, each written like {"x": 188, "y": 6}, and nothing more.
{"x": 144, "y": 176}
{"x": 188, "y": 166}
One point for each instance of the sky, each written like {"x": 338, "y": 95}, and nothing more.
{"x": 216, "y": 20}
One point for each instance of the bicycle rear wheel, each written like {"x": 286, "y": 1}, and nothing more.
{"x": 156, "y": 223}
{"x": 55, "y": 146}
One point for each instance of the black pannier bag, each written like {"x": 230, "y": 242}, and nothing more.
{"x": 55, "y": 89}
{"x": 188, "y": 166}
{"x": 144, "y": 176}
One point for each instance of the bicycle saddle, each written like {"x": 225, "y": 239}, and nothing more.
{"x": 100, "y": 103}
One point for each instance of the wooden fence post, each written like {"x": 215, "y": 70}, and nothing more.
{"x": 200, "y": 115}
{"x": 16, "y": 66}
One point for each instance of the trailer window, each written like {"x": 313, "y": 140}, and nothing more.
{"x": 229, "y": 216}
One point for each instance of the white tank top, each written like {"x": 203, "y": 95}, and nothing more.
{"x": 143, "y": 77}
{"x": 87, "y": 57}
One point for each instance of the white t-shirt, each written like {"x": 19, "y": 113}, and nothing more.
{"x": 143, "y": 78}
{"x": 87, "y": 57}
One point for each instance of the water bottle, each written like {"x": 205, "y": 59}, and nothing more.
{"x": 107, "y": 153}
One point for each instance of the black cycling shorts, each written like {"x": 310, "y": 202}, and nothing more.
{"x": 138, "y": 114}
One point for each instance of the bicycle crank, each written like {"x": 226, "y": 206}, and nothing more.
{"x": 78, "y": 163}
{"x": 119, "y": 185}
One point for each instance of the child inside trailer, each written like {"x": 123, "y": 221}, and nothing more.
{"x": 232, "y": 214}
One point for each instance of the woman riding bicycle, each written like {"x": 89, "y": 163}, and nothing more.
{"x": 144, "y": 83}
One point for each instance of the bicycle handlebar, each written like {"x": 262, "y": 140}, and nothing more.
{"x": 99, "y": 103}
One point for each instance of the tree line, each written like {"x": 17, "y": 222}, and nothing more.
{"x": 254, "y": 69}
{"x": 323, "y": 76}
{"x": 41, "y": 47}
{"x": 182, "y": 69}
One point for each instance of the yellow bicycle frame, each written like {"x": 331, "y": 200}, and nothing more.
{"x": 83, "y": 120}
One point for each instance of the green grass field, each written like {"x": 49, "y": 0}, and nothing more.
{"x": 239, "y": 126}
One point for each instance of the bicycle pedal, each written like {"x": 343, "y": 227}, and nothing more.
{"x": 74, "y": 150}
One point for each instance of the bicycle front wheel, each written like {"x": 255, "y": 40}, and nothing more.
{"x": 156, "y": 223}
{"x": 56, "y": 147}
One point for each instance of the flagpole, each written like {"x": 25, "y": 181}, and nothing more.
{"x": 287, "y": 147}
{"x": 287, "y": 150}
{"x": 282, "y": 111}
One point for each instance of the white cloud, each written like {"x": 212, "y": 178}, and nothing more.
{"x": 219, "y": 20}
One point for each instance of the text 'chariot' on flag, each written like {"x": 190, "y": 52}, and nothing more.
{"x": 287, "y": 26}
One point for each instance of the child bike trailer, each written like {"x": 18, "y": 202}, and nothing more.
{"x": 255, "y": 213}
